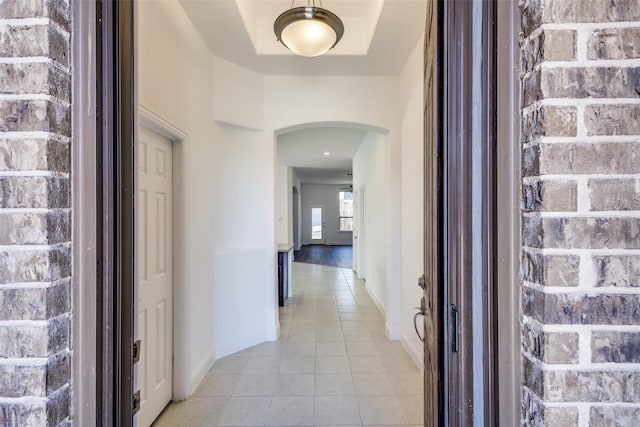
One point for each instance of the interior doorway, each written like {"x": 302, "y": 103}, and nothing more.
{"x": 317, "y": 224}
{"x": 124, "y": 356}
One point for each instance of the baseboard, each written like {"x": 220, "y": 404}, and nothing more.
{"x": 378, "y": 304}
{"x": 323, "y": 244}
{"x": 413, "y": 352}
{"x": 200, "y": 372}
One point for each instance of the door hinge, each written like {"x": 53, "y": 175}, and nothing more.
{"x": 136, "y": 402}
{"x": 137, "y": 347}
{"x": 454, "y": 329}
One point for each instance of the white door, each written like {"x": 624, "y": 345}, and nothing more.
{"x": 316, "y": 219}
{"x": 155, "y": 274}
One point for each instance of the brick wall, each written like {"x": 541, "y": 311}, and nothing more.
{"x": 35, "y": 217}
{"x": 581, "y": 212}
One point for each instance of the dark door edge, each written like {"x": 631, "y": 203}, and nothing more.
{"x": 115, "y": 148}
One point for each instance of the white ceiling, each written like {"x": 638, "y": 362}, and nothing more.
{"x": 304, "y": 150}
{"x": 379, "y": 36}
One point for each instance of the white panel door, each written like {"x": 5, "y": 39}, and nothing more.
{"x": 155, "y": 274}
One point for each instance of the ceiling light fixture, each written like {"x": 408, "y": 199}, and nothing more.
{"x": 308, "y": 30}
{"x": 326, "y": 153}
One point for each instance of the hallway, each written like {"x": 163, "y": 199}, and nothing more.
{"x": 332, "y": 366}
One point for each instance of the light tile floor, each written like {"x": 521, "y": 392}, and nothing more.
{"x": 332, "y": 366}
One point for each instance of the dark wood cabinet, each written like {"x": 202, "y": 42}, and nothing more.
{"x": 283, "y": 275}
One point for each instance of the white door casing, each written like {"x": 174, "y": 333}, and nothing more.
{"x": 356, "y": 231}
{"x": 154, "y": 206}
{"x": 362, "y": 235}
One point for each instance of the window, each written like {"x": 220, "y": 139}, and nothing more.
{"x": 346, "y": 211}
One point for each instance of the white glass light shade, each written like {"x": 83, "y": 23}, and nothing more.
{"x": 308, "y": 31}
{"x": 308, "y": 37}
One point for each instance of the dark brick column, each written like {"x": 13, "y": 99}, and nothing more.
{"x": 35, "y": 216}
{"x": 581, "y": 212}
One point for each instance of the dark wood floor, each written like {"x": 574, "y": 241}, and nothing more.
{"x": 333, "y": 256}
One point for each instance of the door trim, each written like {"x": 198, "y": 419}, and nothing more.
{"x": 84, "y": 214}
{"x": 124, "y": 258}
{"x": 154, "y": 122}
{"x": 361, "y": 272}
{"x": 469, "y": 176}
{"x": 295, "y": 217}
{"x": 115, "y": 136}
{"x": 458, "y": 219}
{"x": 463, "y": 259}
{"x": 507, "y": 268}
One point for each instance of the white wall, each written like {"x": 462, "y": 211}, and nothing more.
{"x": 227, "y": 184}
{"x": 326, "y": 195}
{"x": 286, "y": 179}
{"x": 283, "y": 206}
{"x": 371, "y": 103}
{"x": 295, "y": 182}
{"x": 371, "y": 175}
{"x": 412, "y": 197}
{"x": 229, "y": 176}
{"x": 235, "y": 92}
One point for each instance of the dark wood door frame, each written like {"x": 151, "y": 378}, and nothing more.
{"x": 508, "y": 234}
{"x": 464, "y": 191}
{"x": 432, "y": 301}
{"x": 452, "y": 223}
{"x": 457, "y": 208}
{"x": 489, "y": 261}
{"x": 115, "y": 179}
{"x": 470, "y": 206}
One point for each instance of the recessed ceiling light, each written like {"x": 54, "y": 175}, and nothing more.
{"x": 326, "y": 153}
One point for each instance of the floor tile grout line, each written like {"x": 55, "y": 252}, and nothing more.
{"x": 314, "y": 297}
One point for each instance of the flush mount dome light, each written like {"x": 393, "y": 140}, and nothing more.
{"x": 308, "y": 30}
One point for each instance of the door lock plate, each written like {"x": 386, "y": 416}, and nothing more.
{"x": 137, "y": 347}
{"x": 136, "y": 402}
{"x": 422, "y": 281}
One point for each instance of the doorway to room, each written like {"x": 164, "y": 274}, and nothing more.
{"x": 317, "y": 223}
{"x": 123, "y": 355}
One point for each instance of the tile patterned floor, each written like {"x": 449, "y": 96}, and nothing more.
{"x": 332, "y": 366}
